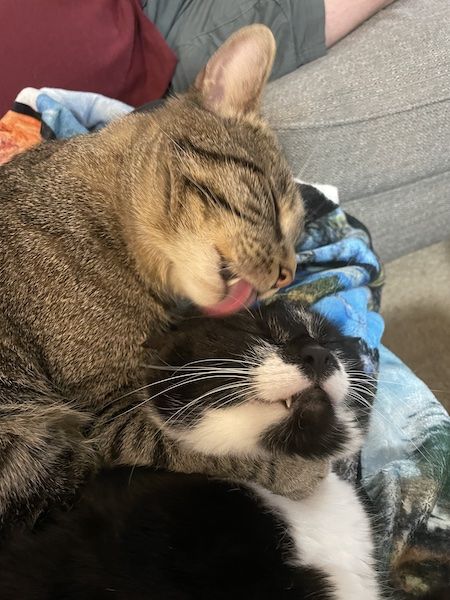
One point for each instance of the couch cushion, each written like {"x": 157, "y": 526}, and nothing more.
{"x": 373, "y": 118}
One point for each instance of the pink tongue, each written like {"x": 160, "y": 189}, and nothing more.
{"x": 240, "y": 294}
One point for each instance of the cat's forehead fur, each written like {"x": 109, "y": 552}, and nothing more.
{"x": 274, "y": 323}
{"x": 246, "y": 134}
{"x": 236, "y": 153}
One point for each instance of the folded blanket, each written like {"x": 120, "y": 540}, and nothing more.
{"x": 406, "y": 472}
{"x": 49, "y": 113}
{"x": 338, "y": 273}
{"x": 405, "y": 464}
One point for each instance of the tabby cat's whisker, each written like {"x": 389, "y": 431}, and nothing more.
{"x": 308, "y": 160}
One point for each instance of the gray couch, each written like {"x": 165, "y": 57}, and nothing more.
{"x": 373, "y": 118}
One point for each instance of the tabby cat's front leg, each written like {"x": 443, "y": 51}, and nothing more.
{"x": 291, "y": 476}
{"x": 129, "y": 436}
{"x": 44, "y": 455}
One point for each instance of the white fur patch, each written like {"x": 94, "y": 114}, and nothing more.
{"x": 331, "y": 532}
{"x": 234, "y": 430}
{"x": 355, "y": 436}
{"x": 337, "y": 385}
{"x": 275, "y": 380}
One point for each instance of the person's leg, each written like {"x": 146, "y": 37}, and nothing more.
{"x": 343, "y": 16}
{"x": 196, "y": 28}
{"x": 303, "y": 28}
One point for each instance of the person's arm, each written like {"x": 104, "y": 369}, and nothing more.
{"x": 342, "y": 16}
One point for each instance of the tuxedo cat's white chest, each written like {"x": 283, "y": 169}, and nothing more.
{"x": 331, "y": 532}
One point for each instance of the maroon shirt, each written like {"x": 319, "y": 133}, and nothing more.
{"x": 104, "y": 46}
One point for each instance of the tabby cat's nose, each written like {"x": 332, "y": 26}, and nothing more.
{"x": 285, "y": 277}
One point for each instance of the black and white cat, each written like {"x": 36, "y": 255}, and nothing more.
{"x": 276, "y": 380}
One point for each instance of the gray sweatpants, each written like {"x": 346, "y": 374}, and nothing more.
{"x": 194, "y": 29}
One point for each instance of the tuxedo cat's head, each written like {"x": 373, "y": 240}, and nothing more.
{"x": 224, "y": 229}
{"x": 276, "y": 379}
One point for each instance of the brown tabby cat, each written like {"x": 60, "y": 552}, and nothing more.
{"x": 101, "y": 236}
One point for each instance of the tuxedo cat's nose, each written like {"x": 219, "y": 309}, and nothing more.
{"x": 285, "y": 277}
{"x": 316, "y": 357}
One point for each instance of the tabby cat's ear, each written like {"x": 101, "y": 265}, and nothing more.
{"x": 234, "y": 77}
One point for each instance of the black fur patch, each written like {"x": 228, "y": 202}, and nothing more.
{"x": 316, "y": 203}
{"x": 139, "y": 534}
{"x": 313, "y": 430}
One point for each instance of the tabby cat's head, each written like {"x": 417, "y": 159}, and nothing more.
{"x": 225, "y": 228}
{"x": 278, "y": 379}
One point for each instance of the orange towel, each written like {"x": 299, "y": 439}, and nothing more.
{"x": 17, "y": 133}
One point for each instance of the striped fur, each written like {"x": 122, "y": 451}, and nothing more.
{"x": 101, "y": 236}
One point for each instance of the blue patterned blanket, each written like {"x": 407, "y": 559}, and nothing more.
{"x": 405, "y": 464}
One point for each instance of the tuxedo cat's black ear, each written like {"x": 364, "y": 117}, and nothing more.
{"x": 316, "y": 203}
{"x": 164, "y": 340}
{"x": 161, "y": 340}
{"x": 233, "y": 79}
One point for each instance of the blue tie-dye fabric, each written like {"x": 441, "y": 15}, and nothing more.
{"x": 69, "y": 113}
{"x": 406, "y": 473}
{"x": 406, "y": 458}
{"x": 337, "y": 273}
{"x": 405, "y": 461}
